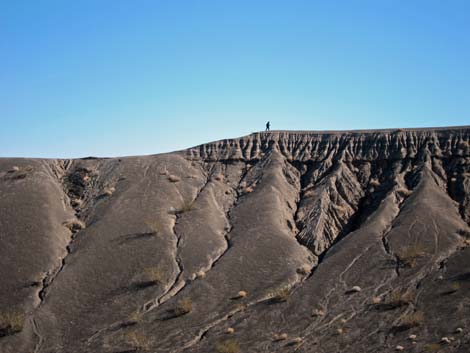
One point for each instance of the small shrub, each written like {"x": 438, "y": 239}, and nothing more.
{"x": 304, "y": 269}
{"x": 74, "y": 225}
{"x": 186, "y": 206}
{"x": 241, "y": 294}
{"x": 241, "y": 307}
{"x": 296, "y": 341}
{"x": 318, "y": 313}
{"x": 411, "y": 320}
{"x": 38, "y": 279}
{"x": 137, "y": 340}
{"x": 355, "y": 289}
{"x": 376, "y": 300}
{"x": 11, "y": 323}
{"x": 173, "y": 178}
{"x": 229, "y": 346}
{"x": 445, "y": 340}
{"x": 398, "y": 298}
{"x": 183, "y": 307}
{"x": 455, "y": 286}
{"x": 410, "y": 256}
{"x": 281, "y": 294}
{"x": 154, "y": 275}
{"x": 154, "y": 226}
{"x": 135, "y": 316}
{"x": 432, "y": 347}
{"x": 280, "y": 336}
{"x": 109, "y": 191}
{"x": 76, "y": 203}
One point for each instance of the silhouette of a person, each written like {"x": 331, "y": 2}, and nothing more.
{"x": 268, "y": 126}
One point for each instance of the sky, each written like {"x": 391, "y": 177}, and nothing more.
{"x": 114, "y": 78}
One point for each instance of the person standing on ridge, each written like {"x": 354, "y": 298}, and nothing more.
{"x": 268, "y": 125}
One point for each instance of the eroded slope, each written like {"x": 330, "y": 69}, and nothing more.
{"x": 289, "y": 241}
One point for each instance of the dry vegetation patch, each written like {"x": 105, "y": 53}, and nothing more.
{"x": 376, "y": 300}
{"x": 11, "y": 323}
{"x": 109, "y": 191}
{"x": 409, "y": 321}
{"x": 280, "y": 336}
{"x": 154, "y": 275}
{"x": 354, "y": 289}
{"x": 137, "y": 340}
{"x": 432, "y": 347}
{"x": 281, "y": 294}
{"x": 399, "y": 298}
{"x": 183, "y": 306}
{"x": 173, "y": 178}
{"x": 396, "y": 299}
{"x": 453, "y": 288}
{"x": 296, "y": 341}
{"x": 241, "y": 294}
{"x": 74, "y": 225}
{"x": 76, "y": 203}
{"x": 186, "y": 206}
{"x": 409, "y": 257}
{"x": 229, "y": 346}
{"x": 318, "y": 313}
{"x": 304, "y": 269}
{"x": 135, "y": 316}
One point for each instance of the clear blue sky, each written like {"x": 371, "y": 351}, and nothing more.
{"x": 108, "y": 78}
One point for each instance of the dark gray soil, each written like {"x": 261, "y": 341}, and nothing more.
{"x": 288, "y": 241}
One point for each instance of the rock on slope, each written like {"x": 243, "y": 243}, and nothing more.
{"x": 275, "y": 242}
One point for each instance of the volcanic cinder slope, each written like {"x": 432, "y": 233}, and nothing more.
{"x": 284, "y": 241}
